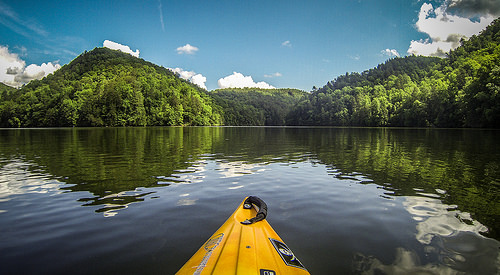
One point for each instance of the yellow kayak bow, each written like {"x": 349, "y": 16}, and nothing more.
{"x": 245, "y": 244}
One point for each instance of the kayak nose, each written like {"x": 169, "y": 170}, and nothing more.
{"x": 251, "y": 248}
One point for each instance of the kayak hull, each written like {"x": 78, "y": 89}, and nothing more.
{"x": 237, "y": 248}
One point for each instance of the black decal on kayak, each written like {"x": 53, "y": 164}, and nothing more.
{"x": 267, "y": 272}
{"x": 286, "y": 254}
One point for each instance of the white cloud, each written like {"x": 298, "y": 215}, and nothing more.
{"x": 444, "y": 29}
{"x": 116, "y": 46}
{"x": 238, "y": 80}
{"x": 426, "y": 48}
{"x": 13, "y": 70}
{"x": 34, "y": 71}
{"x": 197, "y": 79}
{"x": 355, "y": 57}
{"x": 439, "y": 24}
{"x": 287, "y": 44}
{"x": 10, "y": 66}
{"x": 390, "y": 52}
{"x": 475, "y": 7}
{"x": 187, "y": 49}
{"x": 276, "y": 74}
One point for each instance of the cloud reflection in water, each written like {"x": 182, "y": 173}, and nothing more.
{"x": 451, "y": 243}
{"x": 437, "y": 219}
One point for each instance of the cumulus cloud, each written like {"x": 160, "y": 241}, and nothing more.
{"x": 428, "y": 48}
{"x": 238, "y": 80}
{"x": 10, "y": 66}
{"x": 286, "y": 44}
{"x": 474, "y": 7}
{"x": 390, "y": 52}
{"x": 187, "y": 49}
{"x": 444, "y": 30}
{"x": 116, "y": 46}
{"x": 197, "y": 79}
{"x": 276, "y": 74}
{"x": 15, "y": 73}
{"x": 34, "y": 71}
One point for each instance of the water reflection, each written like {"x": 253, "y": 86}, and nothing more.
{"x": 463, "y": 253}
{"x": 406, "y": 262}
{"x": 435, "y": 219}
{"x": 110, "y": 204}
{"x": 460, "y": 162}
{"x": 18, "y": 177}
{"x": 452, "y": 236}
{"x": 186, "y": 201}
{"x": 440, "y": 186}
{"x": 191, "y": 174}
{"x": 114, "y": 161}
{"x": 238, "y": 168}
{"x": 451, "y": 239}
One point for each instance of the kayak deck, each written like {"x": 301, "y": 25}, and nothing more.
{"x": 237, "y": 248}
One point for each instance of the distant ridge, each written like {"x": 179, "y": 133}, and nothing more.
{"x": 255, "y": 106}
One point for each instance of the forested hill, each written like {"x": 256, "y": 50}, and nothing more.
{"x": 256, "y": 107}
{"x": 7, "y": 92}
{"x": 416, "y": 67}
{"x": 105, "y": 87}
{"x": 462, "y": 90}
{"x": 4, "y": 89}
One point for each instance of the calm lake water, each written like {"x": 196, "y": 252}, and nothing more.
{"x": 345, "y": 200}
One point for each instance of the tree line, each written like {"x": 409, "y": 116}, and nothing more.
{"x": 256, "y": 107}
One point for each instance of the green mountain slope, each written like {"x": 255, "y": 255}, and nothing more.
{"x": 105, "y": 87}
{"x": 461, "y": 90}
{"x": 253, "y": 106}
{"x": 5, "y": 90}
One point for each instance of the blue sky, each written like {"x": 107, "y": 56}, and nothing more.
{"x": 283, "y": 44}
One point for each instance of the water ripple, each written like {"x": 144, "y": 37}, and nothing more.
{"x": 438, "y": 219}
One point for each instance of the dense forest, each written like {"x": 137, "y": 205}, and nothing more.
{"x": 256, "y": 107}
{"x": 462, "y": 90}
{"x": 104, "y": 87}
{"x": 6, "y": 90}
